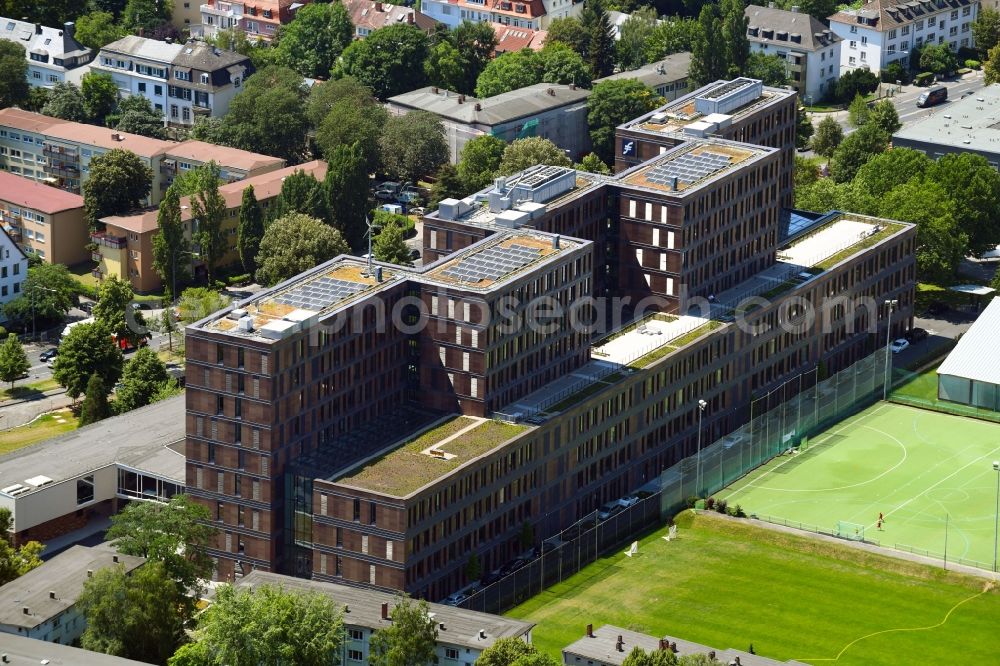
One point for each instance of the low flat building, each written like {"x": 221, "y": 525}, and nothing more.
{"x": 41, "y": 604}
{"x": 968, "y": 125}
{"x": 45, "y": 221}
{"x": 548, "y": 110}
{"x": 462, "y": 634}
{"x": 610, "y": 645}
{"x": 668, "y": 78}
{"x": 970, "y": 375}
{"x": 61, "y": 484}
{"x": 22, "y": 651}
{"x": 53, "y": 54}
{"x": 368, "y": 16}
{"x": 811, "y": 51}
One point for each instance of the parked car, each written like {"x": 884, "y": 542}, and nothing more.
{"x": 414, "y": 254}
{"x": 456, "y": 598}
{"x": 490, "y": 578}
{"x": 899, "y": 345}
{"x": 387, "y": 191}
{"x": 511, "y": 567}
{"x": 51, "y": 363}
{"x": 48, "y": 354}
{"x": 916, "y": 334}
{"x": 609, "y": 509}
{"x": 732, "y": 439}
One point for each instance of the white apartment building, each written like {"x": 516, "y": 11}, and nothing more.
{"x": 534, "y": 14}
{"x": 13, "y": 270}
{"x": 810, "y": 50}
{"x": 182, "y": 81}
{"x": 887, "y": 31}
{"x": 53, "y": 54}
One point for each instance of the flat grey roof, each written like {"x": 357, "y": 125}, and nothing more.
{"x": 972, "y": 123}
{"x": 64, "y": 575}
{"x": 672, "y": 68}
{"x": 134, "y": 437}
{"x": 22, "y": 651}
{"x": 504, "y": 108}
{"x": 462, "y": 626}
{"x": 976, "y": 356}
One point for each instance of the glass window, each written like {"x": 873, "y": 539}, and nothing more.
{"x": 85, "y": 489}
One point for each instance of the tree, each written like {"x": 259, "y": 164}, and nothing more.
{"x": 856, "y": 149}
{"x": 97, "y": 30}
{"x": 473, "y": 568}
{"x": 569, "y": 31}
{"x": 505, "y": 652}
{"x": 199, "y": 302}
{"x": 974, "y": 187}
{"x": 171, "y": 248}
{"x": 820, "y": 9}
{"x": 48, "y": 293}
{"x": 768, "y": 68}
{"x": 633, "y": 35}
{"x": 249, "y": 230}
{"x": 858, "y": 111}
{"x": 560, "y": 64}
{"x": 13, "y": 74}
{"x": 828, "y": 136}
{"x": 803, "y": 128}
{"x": 324, "y": 97}
{"x": 600, "y": 38}
{"x": 95, "y": 402}
{"x": 806, "y": 171}
{"x": 855, "y": 82}
{"x": 476, "y": 43}
{"x": 267, "y": 117}
{"x": 209, "y": 207}
{"x": 671, "y": 36}
{"x": 389, "y": 61}
{"x": 938, "y": 58}
{"x": 444, "y": 67}
{"x": 100, "y": 95}
{"x": 168, "y": 326}
{"x": 87, "y": 349}
{"x": 986, "y": 29}
{"x": 734, "y": 35}
{"x": 268, "y": 625}
{"x": 524, "y": 153}
{"x": 413, "y": 145}
{"x": 593, "y": 164}
{"x": 389, "y": 246}
{"x": 447, "y": 184}
{"x": 314, "y": 39}
{"x": 14, "y": 362}
{"x": 480, "y": 161}
{"x": 119, "y": 182}
{"x": 349, "y": 122}
{"x": 300, "y": 193}
{"x": 509, "y": 71}
{"x": 135, "y": 115}
{"x": 66, "y": 102}
{"x": 136, "y": 616}
{"x": 940, "y": 243}
{"x": 410, "y": 639}
{"x": 176, "y": 534}
{"x": 15, "y": 562}
{"x": 611, "y": 104}
{"x": 708, "y": 52}
{"x": 296, "y": 243}
{"x": 346, "y": 189}
{"x": 884, "y": 116}
{"x": 887, "y": 171}
{"x": 114, "y": 310}
{"x": 991, "y": 68}
{"x": 145, "y": 15}
{"x": 38, "y": 97}
{"x": 142, "y": 377}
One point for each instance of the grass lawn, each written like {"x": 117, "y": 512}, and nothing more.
{"x": 728, "y": 583}
{"x": 924, "y": 385}
{"x": 29, "y": 390}
{"x": 45, "y": 426}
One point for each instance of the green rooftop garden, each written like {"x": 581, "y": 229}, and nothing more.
{"x": 406, "y": 468}
{"x": 888, "y": 229}
{"x": 675, "y": 344}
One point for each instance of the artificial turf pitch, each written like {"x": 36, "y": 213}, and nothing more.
{"x": 930, "y": 474}
{"x": 729, "y": 583}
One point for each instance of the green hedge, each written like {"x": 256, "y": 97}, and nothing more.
{"x": 924, "y": 78}
{"x": 973, "y": 64}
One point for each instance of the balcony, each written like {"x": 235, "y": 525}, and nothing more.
{"x": 104, "y": 239}
{"x": 14, "y": 233}
{"x": 168, "y": 167}
{"x": 71, "y": 154}
{"x": 64, "y": 170}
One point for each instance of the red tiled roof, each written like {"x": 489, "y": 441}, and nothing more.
{"x": 36, "y": 196}
{"x": 511, "y": 39}
{"x": 28, "y": 121}
{"x": 235, "y": 158}
{"x": 375, "y": 15}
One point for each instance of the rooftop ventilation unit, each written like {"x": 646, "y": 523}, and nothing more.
{"x": 729, "y": 96}
{"x": 237, "y": 314}
{"x": 245, "y": 324}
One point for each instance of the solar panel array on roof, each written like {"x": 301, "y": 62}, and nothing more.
{"x": 320, "y": 293}
{"x": 492, "y": 263}
{"x": 542, "y": 176}
{"x": 726, "y": 88}
{"x": 687, "y": 168}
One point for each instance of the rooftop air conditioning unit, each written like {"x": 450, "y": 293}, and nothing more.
{"x": 245, "y": 324}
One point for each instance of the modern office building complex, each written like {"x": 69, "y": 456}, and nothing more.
{"x": 376, "y": 425}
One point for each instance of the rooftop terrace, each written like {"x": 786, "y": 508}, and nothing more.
{"x": 404, "y": 469}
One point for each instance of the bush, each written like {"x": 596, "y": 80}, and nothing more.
{"x": 895, "y": 72}
{"x": 710, "y": 503}
{"x": 3, "y": 332}
{"x": 238, "y": 280}
{"x": 692, "y": 501}
{"x": 973, "y": 64}
{"x": 924, "y": 78}
{"x": 855, "y": 82}
{"x": 721, "y": 506}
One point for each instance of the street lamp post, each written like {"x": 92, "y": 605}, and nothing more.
{"x": 996, "y": 516}
{"x": 888, "y": 354}
{"x": 701, "y": 410}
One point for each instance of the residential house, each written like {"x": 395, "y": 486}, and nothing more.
{"x": 54, "y": 56}
{"x": 668, "y": 77}
{"x": 511, "y": 39}
{"x": 125, "y": 242}
{"x": 183, "y": 81}
{"x": 13, "y": 269}
{"x": 534, "y": 14}
{"x": 368, "y": 16}
{"x": 41, "y": 604}
{"x": 553, "y": 111}
{"x": 43, "y": 220}
{"x": 259, "y": 19}
{"x": 186, "y": 14}
{"x": 885, "y": 31}
{"x": 810, "y": 50}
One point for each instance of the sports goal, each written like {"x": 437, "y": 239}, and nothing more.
{"x": 852, "y": 531}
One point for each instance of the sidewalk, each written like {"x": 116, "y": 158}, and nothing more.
{"x": 15, "y": 412}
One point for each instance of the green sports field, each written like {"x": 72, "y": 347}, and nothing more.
{"x": 923, "y": 470}
{"x": 729, "y": 583}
